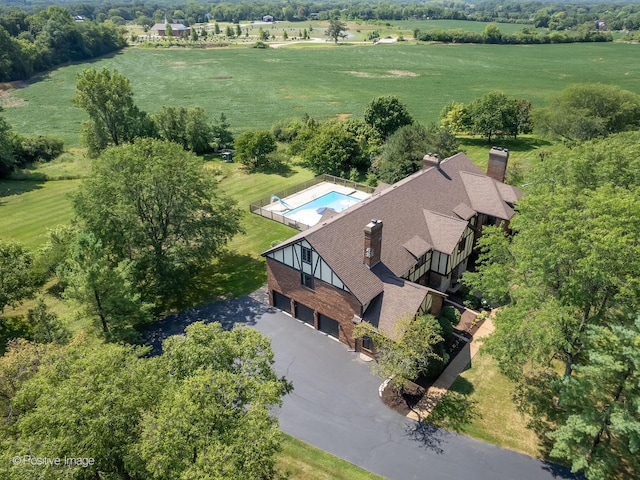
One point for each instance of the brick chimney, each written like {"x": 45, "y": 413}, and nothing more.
{"x": 430, "y": 160}
{"x": 372, "y": 242}
{"x": 498, "y": 158}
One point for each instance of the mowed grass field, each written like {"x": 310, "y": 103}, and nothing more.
{"x": 255, "y": 88}
{"x": 28, "y": 208}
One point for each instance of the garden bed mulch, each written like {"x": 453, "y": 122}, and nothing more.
{"x": 404, "y": 402}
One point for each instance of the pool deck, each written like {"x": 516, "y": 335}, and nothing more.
{"x": 309, "y": 194}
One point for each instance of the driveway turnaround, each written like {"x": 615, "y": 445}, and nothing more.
{"x": 335, "y": 405}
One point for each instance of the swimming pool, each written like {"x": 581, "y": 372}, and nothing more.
{"x": 311, "y": 212}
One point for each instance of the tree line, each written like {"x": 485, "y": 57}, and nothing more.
{"x": 17, "y": 151}
{"x": 34, "y": 43}
{"x": 567, "y": 279}
{"x": 527, "y": 36}
{"x": 555, "y": 16}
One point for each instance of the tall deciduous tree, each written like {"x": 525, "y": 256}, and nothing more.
{"x": 336, "y": 30}
{"x": 155, "y": 204}
{"x": 586, "y": 111}
{"x": 253, "y": 148}
{"x": 204, "y": 409}
{"x": 84, "y": 401}
{"x": 18, "y": 364}
{"x": 404, "y": 150}
{"x": 332, "y": 149}
{"x": 387, "y": 114}
{"x": 225, "y": 379}
{"x": 113, "y": 117}
{"x": 496, "y": 114}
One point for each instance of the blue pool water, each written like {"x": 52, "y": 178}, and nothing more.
{"x": 311, "y": 212}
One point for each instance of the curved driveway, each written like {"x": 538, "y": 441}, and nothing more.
{"x": 335, "y": 405}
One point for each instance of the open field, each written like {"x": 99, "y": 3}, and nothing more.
{"x": 358, "y": 30}
{"x": 255, "y": 88}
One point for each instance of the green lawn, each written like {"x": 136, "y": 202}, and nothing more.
{"x": 304, "y": 462}
{"x": 29, "y": 208}
{"x": 479, "y": 404}
{"x": 255, "y": 88}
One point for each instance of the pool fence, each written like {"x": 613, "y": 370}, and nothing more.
{"x": 257, "y": 207}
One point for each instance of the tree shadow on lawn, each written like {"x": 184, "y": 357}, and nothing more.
{"x": 230, "y": 276}
{"x": 521, "y": 144}
{"x": 452, "y": 413}
{"x": 228, "y": 291}
{"x": 18, "y": 187}
{"x": 280, "y": 168}
{"x": 238, "y": 311}
{"x": 455, "y": 410}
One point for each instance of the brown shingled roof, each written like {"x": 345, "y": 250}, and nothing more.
{"x": 445, "y": 232}
{"x": 464, "y": 211}
{"x": 400, "y": 299}
{"x": 417, "y": 247}
{"x": 484, "y": 195}
{"x": 340, "y": 239}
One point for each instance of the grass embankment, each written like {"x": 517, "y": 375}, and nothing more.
{"x": 304, "y": 462}
{"x": 324, "y": 82}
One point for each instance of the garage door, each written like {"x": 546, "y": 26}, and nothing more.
{"x": 282, "y": 302}
{"x": 304, "y": 313}
{"x": 328, "y": 325}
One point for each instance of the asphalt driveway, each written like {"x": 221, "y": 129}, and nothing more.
{"x": 335, "y": 405}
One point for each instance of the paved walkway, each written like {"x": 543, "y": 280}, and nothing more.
{"x": 459, "y": 364}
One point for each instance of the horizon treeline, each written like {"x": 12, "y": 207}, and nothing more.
{"x": 552, "y": 15}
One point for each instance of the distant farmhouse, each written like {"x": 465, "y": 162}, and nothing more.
{"x": 394, "y": 254}
{"x": 177, "y": 29}
{"x": 268, "y": 18}
{"x": 602, "y": 26}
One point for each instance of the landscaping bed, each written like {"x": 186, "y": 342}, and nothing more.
{"x": 404, "y": 402}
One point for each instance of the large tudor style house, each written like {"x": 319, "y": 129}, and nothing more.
{"x": 395, "y": 253}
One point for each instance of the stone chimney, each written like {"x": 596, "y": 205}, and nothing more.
{"x": 430, "y": 160}
{"x": 498, "y": 158}
{"x": 372, "y": 242}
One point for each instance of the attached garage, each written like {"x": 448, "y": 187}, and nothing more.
{"x": 304, "y": 313}
{"x": 328, "y": 325}
{"x": 282, "y": 302}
